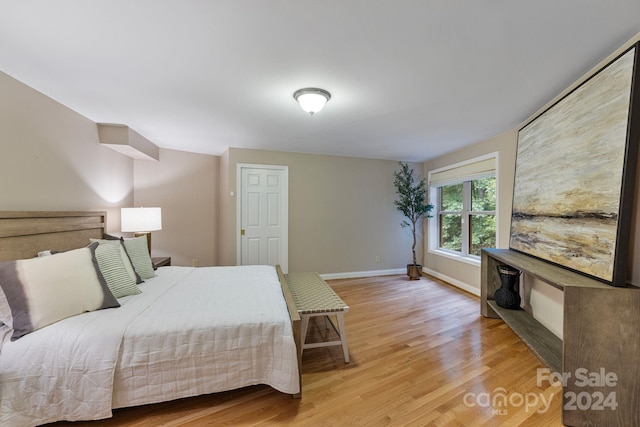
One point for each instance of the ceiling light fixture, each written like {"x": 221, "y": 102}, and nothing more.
{"x": 311, "y": 99}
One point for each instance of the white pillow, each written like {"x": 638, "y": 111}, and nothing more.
{"x": 42, "y": 291}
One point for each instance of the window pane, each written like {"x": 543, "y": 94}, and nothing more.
{"x": 451, "y": 198}
{"x": 483, "y": 194}
{"x": 451, "y": 232}
{"x": 483, "y": 233}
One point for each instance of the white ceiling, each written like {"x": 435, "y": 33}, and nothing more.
{"x": 410, "y": 79}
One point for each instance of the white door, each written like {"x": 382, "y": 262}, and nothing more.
{"x": 263, "y": 215}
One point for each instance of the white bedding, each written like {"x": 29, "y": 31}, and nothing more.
{"x": 157, "y": 346}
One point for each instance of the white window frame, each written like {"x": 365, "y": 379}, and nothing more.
{"x": 453, "y": 177}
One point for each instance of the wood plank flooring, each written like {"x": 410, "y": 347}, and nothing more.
{"x": 421, "y": 355}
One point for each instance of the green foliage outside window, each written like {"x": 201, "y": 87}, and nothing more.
{"x": 483, "y": 233}
{"x": 481, "y": 221}
{"x": 483, "y": 194}
{"x": 451, "y": 232}
{"x": 451, "y": 198}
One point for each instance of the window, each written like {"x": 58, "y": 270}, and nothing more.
{"x": 466, "y": 208}
{"x": 450, "y": 216}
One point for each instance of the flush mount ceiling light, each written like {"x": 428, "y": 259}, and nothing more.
{"x": 311, "y": 99}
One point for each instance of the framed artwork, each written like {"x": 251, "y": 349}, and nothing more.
{"x": 575, "y": 173}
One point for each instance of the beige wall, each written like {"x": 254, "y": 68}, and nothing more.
{"x": 185, "y": 185}
{"x": 505, "y": 145}
{"x": 51, "y": 158}
{"x": 341, "y": 212}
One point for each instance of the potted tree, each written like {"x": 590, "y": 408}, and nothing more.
{"x": 411, "y": 203}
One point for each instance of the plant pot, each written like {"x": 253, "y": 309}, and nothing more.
{"x": 414, "y": 271}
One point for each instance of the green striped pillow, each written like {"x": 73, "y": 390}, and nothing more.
{"x": 139, "y": 253}
{"x": 120, "y": 279}
{"x": 125, "y": 256}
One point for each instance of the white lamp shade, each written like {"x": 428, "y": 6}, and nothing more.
{"x": 140, "y": 220}
{"x": 312, "y": 100}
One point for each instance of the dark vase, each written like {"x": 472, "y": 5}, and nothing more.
{"x": 507, "y": 296}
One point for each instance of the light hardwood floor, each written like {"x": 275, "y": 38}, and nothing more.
{"x": 421, "y": 355}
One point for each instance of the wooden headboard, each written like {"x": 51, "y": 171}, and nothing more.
{"x": 24, "y": 233}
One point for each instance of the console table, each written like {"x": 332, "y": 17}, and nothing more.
{"x": 601, "y": 331}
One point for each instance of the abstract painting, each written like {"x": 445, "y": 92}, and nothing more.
{"x": 575, "y": 170}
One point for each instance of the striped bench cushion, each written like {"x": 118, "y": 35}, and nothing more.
{"x": 312, "y": 294}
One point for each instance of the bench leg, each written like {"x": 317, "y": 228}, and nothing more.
{"x": 343, "y": 336}
{"x": 303, "y": 330}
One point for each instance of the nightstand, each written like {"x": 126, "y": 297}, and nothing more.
{"x": 162, "y": 261}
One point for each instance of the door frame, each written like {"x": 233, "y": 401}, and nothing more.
{"x": 284, "y": 263}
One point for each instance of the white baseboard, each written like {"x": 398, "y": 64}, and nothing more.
{"x": 356, "y": 274}
{"x": 458, "y": 284}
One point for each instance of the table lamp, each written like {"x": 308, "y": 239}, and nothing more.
{"x": 141, "y": 221}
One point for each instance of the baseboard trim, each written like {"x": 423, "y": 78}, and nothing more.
{"x": 357, "y": 274}
{"x": 457, "y": 283}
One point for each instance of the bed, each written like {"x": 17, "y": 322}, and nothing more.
{"x": 189, "y": 331}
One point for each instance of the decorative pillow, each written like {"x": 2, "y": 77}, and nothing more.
{"x": 44, "y": 290}
{"x": 116, "y": 268}
{"x": 139, "y": 253}
{"x": 106, "y": 236}
{"x": 5, "y": 311}
{"x": 138, "y": 278}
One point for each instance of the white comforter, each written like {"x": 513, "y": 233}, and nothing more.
{"x": 158, "y": 346}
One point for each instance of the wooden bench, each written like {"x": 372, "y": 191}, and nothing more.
{"x": 314, "y": 297}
